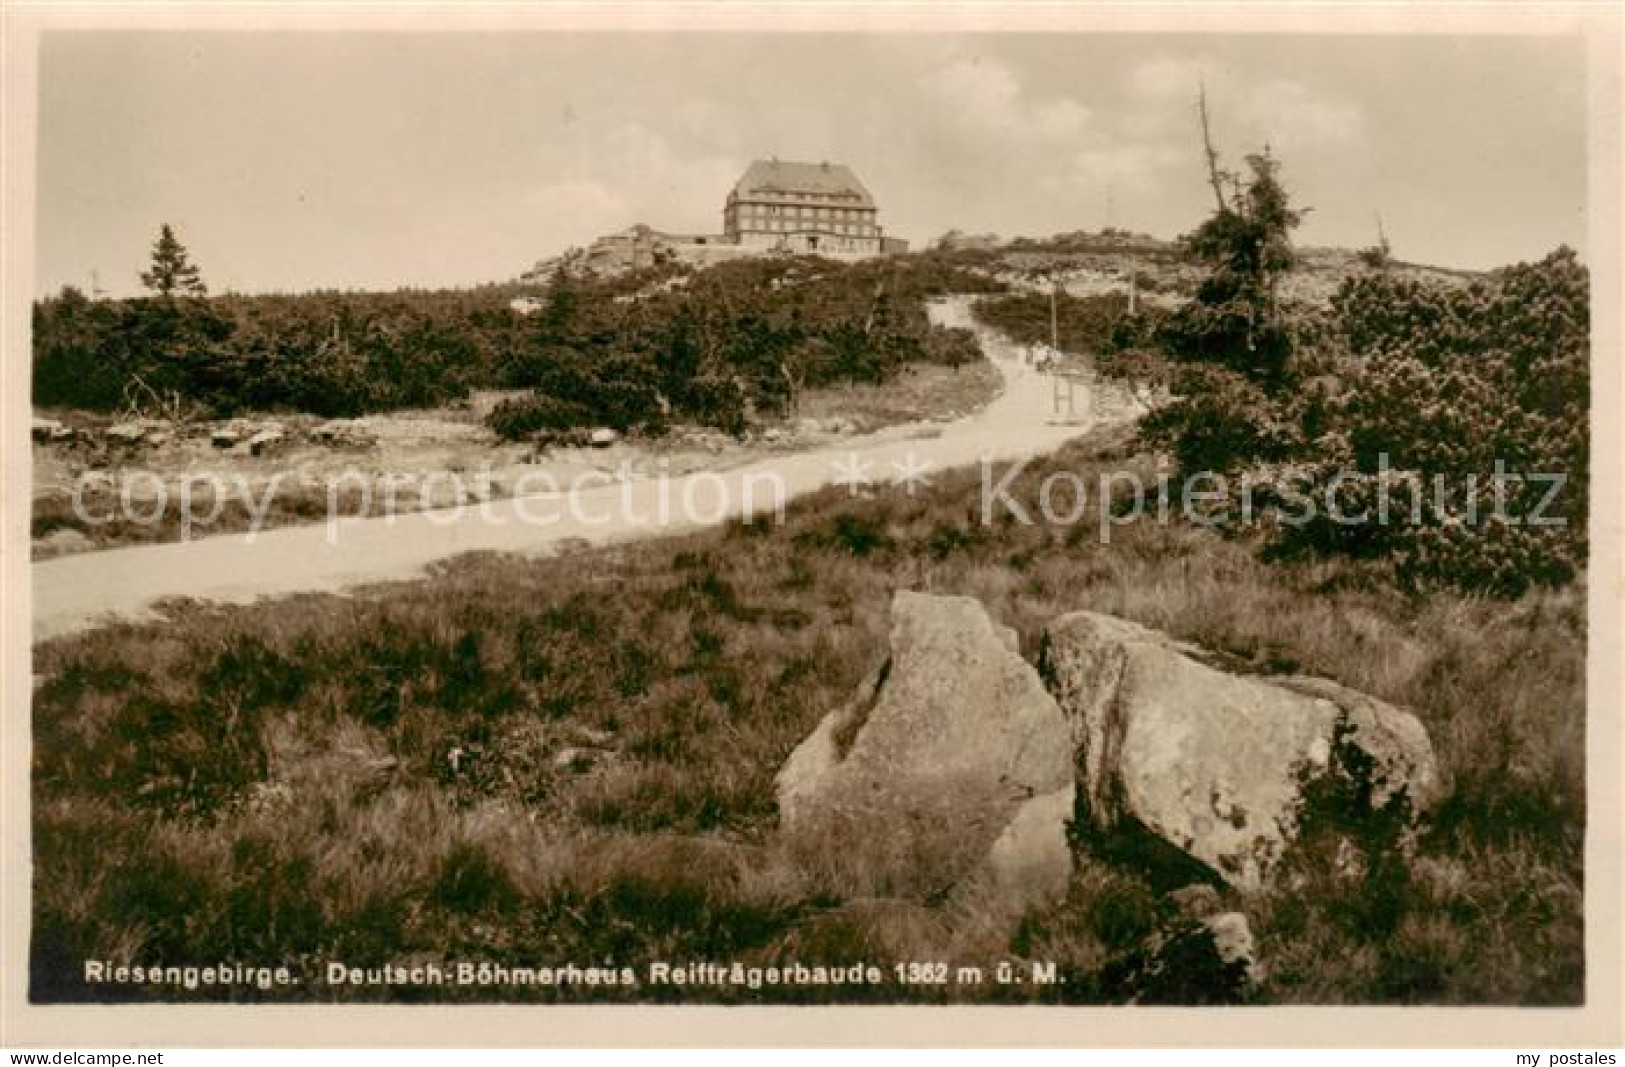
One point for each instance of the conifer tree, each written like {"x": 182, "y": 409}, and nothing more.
{"x": 172, "y": 269}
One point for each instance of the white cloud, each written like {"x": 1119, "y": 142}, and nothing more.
{"x": 573, "y": 212}
{"x": 1290, "y": 113}
{"x": 1118, "y": 162}
{"x": 1245, "y": 110}
{"x": 607, "y": 179}
{"x": 980, "y": 91}
{"x": 986, "y": 97}
{"x": 1060, "y": 118}
{"x": 703, "y": 121}
{"x": 1166, "y": 77}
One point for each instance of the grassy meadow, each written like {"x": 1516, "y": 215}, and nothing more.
{"x": 570, "y": 760}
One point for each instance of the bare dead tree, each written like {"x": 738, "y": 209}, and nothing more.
{"x": 1215, "y": 176}
{"x": 1379, "y": 255}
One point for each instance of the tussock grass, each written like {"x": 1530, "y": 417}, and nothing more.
{"x": 540, "y": 762}
{"x": 918, "y": 391}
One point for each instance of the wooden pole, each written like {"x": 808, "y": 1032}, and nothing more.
{"x": 1054, "y": 321}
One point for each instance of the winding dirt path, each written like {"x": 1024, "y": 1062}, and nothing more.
{"x": 77, "y": 592}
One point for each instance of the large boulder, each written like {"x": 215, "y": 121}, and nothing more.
{"x": 1220, "y": 766}
{"x": 950, "y": 766}
{"x": 1032, "y": 858}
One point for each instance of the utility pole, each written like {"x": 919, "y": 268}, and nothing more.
{"x": 1061, "y": 396}
{"x": 1054, "y": 318}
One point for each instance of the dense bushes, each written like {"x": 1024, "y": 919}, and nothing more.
{"x": 537, "y": 417}
{"x": 739, "y": 338}
{"x": 625, "y": 352}
{"x": 950, "y": 347}
{"x": 1222, "y": 423}
{"x": 334, "y": 354}
{"x": 1451, "y": 442}
{"x": 1480, "y": 396}
{"x": 1092, "y": 324}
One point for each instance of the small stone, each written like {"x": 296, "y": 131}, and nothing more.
{"x": 264, "y": 441}
{"x": 574, "y": 759}
{"x": 45, "y": 431}
{"x": 62, "y": 542}
{"x": 1233, "y": 942}
{"x": 337, "y": 433}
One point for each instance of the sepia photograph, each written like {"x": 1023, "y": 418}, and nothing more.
{"x": 740, "y": 515}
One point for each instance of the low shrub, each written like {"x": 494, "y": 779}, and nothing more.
{"x": 1452, "y": 434}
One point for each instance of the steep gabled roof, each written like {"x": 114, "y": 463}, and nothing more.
{"x": 777, "y": 177}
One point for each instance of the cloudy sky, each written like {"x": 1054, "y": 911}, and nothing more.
{"x": 295, "y": 161}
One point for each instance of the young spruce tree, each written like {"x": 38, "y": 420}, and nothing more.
{"x": 1246, "y": 243}
{"x": 172, "y": 271}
